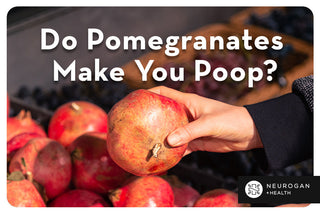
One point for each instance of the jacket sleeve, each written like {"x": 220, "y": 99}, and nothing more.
{"x": 285, "y": 126}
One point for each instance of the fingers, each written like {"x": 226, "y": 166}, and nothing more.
{"x": 189, "y": 132}
{"x": 171, "y": 93}
{"x": 188, "y": 100}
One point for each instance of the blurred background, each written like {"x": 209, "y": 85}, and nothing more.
{"x": 30, "y": 70}
{"x": 29, "y": 65}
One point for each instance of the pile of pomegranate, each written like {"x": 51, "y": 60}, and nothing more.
{"x": 89, "y": 158}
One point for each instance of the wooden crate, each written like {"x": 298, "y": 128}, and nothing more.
{"x": 241, "y": 18}
{"x": 133, "y": 75}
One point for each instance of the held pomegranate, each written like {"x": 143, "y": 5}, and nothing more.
{"x": 92, "y": 168}
{"x": 47, "y": 162}
{"x": 138, "y": 127}
{"x": 23, "y": 193}
{"x": 79, "y": 198}
{"x": 19, "y": 141}
{"x": 74, "y": 119}
{"x": 219, "y": 198}
{"x": 148, "y": 191}
{"x": 22, "y": 123}
{"x": 184, "y": 195}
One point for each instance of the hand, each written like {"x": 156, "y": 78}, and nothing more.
{"x": 215, "y": 126}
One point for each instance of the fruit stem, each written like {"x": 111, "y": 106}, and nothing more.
{"x": 155, "y": 150}
{"x": 29, "y": 176}
{"x": 75, "y": 106}
{"x": 23, "y": 114}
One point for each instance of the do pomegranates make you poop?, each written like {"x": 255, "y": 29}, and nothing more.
{"x": 138, "y": 128}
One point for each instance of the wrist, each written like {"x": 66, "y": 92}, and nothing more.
{"x": 252, "y": 138}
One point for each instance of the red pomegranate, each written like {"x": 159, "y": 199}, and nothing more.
{"x": 74, "y": 119}
{"x": 92, "y": 167}
{"x": 47, "y": 162}
{"x": 148, "y": 191}
{"x": 219, "y": 198}
{"x": 22, "y": 123}
{"x": 19, "y": 141}
{"x": 138, "y": 127}
{"x": 79, "y": 198}
{"x": 184, "y": 195}
{"x": 23, "y": 193}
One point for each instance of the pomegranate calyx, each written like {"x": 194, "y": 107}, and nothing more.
{"x": 74, "y": 106}
{"x": 23, "y": 115}
{"x": 156, "y": 149}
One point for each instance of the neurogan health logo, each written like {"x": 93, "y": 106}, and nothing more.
{"x": 279, "y": 189}
{"x": 253, "y": 189}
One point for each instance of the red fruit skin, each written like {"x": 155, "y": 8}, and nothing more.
{"x": 23, "y": 194}
{"x": 92, "y": 167}
{"x": 137, "y": 124}
{"x": 148, "y": 191}
{"x": 79, "y": 198}
{"x": 19, "y": 141}
{"x": 74, "y": 119}
{"x": 218, "y": 198}
{"x": 184, "y": 195}
{"x": 22, "y": 123}
{"x": 47, "y": 161}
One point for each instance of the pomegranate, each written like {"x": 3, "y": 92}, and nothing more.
{"x": 79, "y": 198}
{"x": 22, "y": 123}
{"x": 19, "y": 141}
{"x": 138, "y": 127}
{"x": 23, "y": 193}
{"x": 47, "y": 162}
{"x": 184, "y": 195}
{"x": 92, "y": 168}
{"x": 219, "y": 198}
{"x": 74, "y": 119}
{"x": 148, "y": 191}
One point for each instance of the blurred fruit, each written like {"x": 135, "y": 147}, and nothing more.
{"x": 92, "y": 167}
{"x": 227, "y": 91}
{"x": 218, "y": 198}
{"x": 104, "y": 94}
{"x": 19, "y": 141}
{"x": 79, "y": 198}
{"x": 45, "y": 161}
{"x": 294, "y": 21}
{"x": 138, "y": 127}
{"x": 22, "y": 123}
{"x": 149, "y": 191}
{"x": 23, "y": 193}
{"x": 184, "y": 195}
{"x": 74, "y": 119}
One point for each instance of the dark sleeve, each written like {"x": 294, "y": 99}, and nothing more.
{"x": 285, "y": 126}
{"x": 303, "y": 87}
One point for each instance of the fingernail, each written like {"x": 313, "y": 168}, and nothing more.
{"x": 174, "y": 139}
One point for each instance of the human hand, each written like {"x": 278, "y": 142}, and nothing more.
{"x": 215, "y": 126}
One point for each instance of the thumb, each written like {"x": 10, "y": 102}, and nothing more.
{"x": 187, "y": 133}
